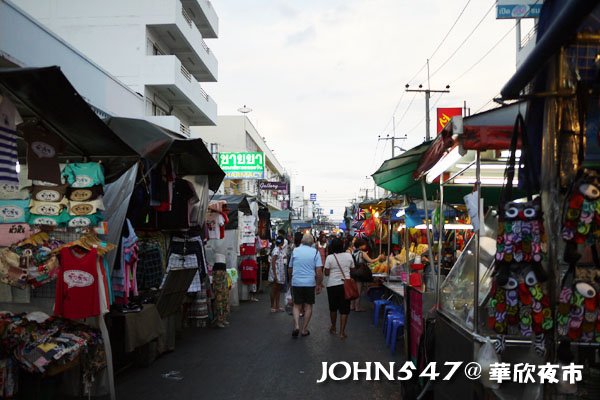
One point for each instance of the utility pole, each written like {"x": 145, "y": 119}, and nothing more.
{"x": 393, "y": 138}
{"x": 427, "y": 92}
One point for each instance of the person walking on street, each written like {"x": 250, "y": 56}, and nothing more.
{"x": 307, "y": 279}
{"x": 322, "y": 246}
{"x": 361, "y": 258}
{"x": 337, "y": 267}
{"x": 277, "y": 273}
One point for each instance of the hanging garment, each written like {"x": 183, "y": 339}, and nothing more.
{"x": 179, "y": 216}
{"x": 214, "y": 222}
{"x": 124, "y": 280}
{"x": 49, "y": 220}
{"x": 43, "y": 148}
{"x": 188, "y": 253}
{"x": 9, "y": 119}
{"x": 247, "y": 229}
{"x": 150, "y": 265}
{"x": 77, "y": 285}
{"x": 47, "y": 208}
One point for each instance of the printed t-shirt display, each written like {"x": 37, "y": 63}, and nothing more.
{"x": 214, "y": 222}
{"x": 82, "y": 221}
{"x": 84, "y": 175}
{"x": 47, "y": 208}
{"x": 247, "y": 229}
{"x": 48, "y": 193}
{"x": 249, "y": 271}
{"x": 42, "y": 155}
{"x": 12, "y": 211}
{"x": 85, "y": 194}
{"x": 9, "y": 119}
{"x": 49, "y": 220}
{"x": 77, "y": 290}
{"x": 85, "y": 207}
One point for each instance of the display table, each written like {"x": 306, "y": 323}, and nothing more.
{"x": 131, "y": 331}
{"x": 397, "y": 288}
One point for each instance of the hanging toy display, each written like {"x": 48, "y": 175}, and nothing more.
{"x": 519, "y": 305}
{"x": 577, "y": 314}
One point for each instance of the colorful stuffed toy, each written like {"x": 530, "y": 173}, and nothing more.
{"x": 518, "y": 305}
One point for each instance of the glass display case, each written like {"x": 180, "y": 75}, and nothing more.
{"x": 456, "y": 292}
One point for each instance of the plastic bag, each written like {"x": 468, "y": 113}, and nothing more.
{"x": 486, "y": 357}
{"x": 288, "y": 295}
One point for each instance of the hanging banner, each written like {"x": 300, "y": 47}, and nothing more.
{"x": 444, "y": 115}
{"x": 242, "y": 165}
{"x": 517, "y": 9}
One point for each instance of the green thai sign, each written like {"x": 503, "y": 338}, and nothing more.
{"x": 242, "y": 165}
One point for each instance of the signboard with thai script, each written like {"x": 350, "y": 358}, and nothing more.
{"x": 281, "y": 186}
{"x": 516, "y": 9}
{"x": 313, "y": 197}
{"x": 242, "y": 165}
{"x": 444, "y": 115}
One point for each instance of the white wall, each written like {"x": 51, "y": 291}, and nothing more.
{"x": 27, "y": 43}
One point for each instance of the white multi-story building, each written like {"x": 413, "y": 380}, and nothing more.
{"x": 235, "y": 133}
{"x": 156, "y": 48}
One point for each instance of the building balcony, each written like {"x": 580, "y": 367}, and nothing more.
{"x": 179, "y": 32}
{"x": 168, "y": 78}
{"x": 204, "y": 16}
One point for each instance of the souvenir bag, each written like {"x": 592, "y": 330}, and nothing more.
{"x": 518, "y": 304}
{"x": 577, "y": 312}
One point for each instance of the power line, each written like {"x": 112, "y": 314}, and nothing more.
{"x": 407, "y": 108}
{"x": 450, "y": 30}
{"x": 485, "y": 55}
{"x": 463, "y": 42}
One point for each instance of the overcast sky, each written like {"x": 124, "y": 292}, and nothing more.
{"x": 323, "y": 78}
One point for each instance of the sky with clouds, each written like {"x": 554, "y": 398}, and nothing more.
{"x": 324, "y": 77}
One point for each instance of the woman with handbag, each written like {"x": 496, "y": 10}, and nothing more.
{"x": 362, "y": 273}
{"x": 337, "y": 267}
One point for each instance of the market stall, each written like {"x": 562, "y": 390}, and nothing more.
{"x": 54, "y": 213}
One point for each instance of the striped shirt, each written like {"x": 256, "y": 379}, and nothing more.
{"x": 9, "y": 117}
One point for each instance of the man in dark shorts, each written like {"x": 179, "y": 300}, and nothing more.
{"x": 306, "y": 269}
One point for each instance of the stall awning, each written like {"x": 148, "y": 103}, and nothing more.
{"x": 154, "y": 143}
{"x": 46, "y": 98}
{"x": 396, "y": 174}
{"x": 285, "y": 215}
{"x": 235, "y": 203}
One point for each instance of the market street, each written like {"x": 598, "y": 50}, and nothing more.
{"x": 256, "y": 357}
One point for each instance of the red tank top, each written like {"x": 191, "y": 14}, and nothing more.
{"x": 77, "y": 293}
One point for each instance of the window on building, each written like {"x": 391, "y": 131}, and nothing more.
{"x": 250, "y": 143}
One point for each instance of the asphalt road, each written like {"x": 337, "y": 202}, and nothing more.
{"x": 256, "y": 358}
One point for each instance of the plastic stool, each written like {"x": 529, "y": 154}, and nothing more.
{"x": 391, "y": 308}
{"x": 377, "y": 304}
{"x": 397, "y": 324}
{"x": 395, "y": 318}
{"x": 388, "y": 320}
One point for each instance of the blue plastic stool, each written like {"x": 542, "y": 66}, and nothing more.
{"x": 387, "y": 322}
{"x": 395, "y": 317}
{"x": 397, "y": 324}
{"x": 377, "y": 304}
{"x": 390, "y": 308}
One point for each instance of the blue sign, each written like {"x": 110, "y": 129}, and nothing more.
{"x": 331, "y": 212}
{"x": 515, "y": 11}
{"x": 313, "y": 197}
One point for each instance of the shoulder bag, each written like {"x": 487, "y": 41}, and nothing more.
{"x": 350, "y": 288}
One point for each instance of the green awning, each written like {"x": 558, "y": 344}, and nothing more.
{"x": 396, "y": 174}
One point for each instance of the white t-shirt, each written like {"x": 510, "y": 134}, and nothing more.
{"x": 214, "y": 222}
{"x": 335, "y": 276}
